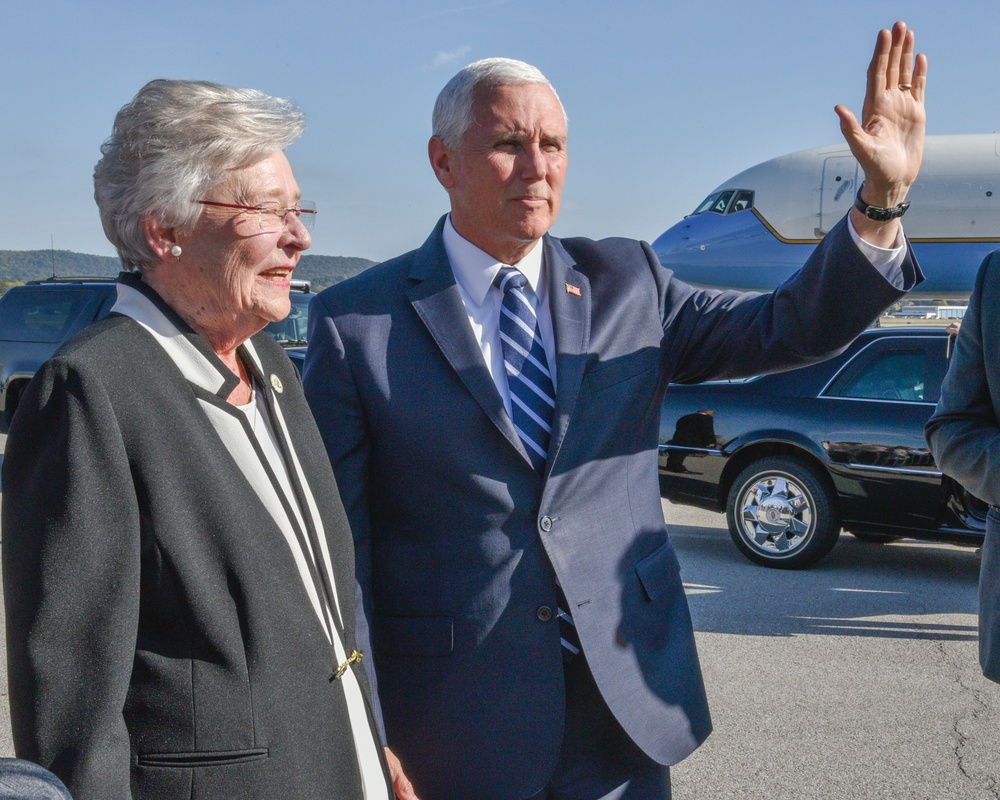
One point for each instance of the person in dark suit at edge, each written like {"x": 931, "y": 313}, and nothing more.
{"x": 494, "y": 437}
{"x": 964, "y": 436}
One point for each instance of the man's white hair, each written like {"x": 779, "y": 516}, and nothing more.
{"x": 453, "y": 111}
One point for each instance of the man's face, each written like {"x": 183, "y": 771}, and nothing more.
{"x": 506, "y": 176}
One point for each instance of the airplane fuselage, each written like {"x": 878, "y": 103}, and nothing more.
{"x": 755, "y": 230}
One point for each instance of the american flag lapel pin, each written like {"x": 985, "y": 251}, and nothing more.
{"x": 573, "y": 290}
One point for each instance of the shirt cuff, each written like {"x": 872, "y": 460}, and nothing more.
{"x": 887, "y": 260}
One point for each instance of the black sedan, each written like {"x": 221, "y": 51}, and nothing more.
{"x": 794, "y": 458}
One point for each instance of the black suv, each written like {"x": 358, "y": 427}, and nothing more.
{"x": 36, "y": 318}
{"x": 293, "y": 329}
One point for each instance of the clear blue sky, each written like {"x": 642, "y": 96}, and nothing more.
{"x": 665, "y": 99}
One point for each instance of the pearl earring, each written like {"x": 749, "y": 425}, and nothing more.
{"x": 176, "y": 251}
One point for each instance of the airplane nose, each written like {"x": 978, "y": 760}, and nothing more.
{"x": 673, "y": 239}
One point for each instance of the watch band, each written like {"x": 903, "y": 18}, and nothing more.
{"x": 878, "y": 213}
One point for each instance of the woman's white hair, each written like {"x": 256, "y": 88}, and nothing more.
{"x": 174, "y": 142}
{"x": 453, "y": 111}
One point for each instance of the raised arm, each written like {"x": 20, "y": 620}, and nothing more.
{"x": 888, "y": 142}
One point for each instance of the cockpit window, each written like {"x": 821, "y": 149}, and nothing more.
{"x": 718, "y": 202}
{"x": 715, "y": 203}
{"x": 743, "y": 201}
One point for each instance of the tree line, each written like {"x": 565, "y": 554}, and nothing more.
{"x": 20, "y": 266}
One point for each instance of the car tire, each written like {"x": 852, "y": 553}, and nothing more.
{"x": 782, "y": 513}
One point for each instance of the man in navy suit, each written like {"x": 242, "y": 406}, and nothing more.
{"x": 964, "y": 432}
{"x": 494, "y": 435}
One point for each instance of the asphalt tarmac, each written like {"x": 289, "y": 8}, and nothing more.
{"x": 856, "y": 679}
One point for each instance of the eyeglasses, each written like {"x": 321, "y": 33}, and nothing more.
{"x": 271, "y": 217}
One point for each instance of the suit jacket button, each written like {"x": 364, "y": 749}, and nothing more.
{"x": 545, "y": 523}
{"x": 544, "y": 613}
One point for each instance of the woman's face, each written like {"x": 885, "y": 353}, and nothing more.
{"x": 232, "y": 277}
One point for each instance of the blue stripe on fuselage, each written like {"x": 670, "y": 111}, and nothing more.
{"x": 738, "y": 251}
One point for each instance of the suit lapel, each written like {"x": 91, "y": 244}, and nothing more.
{"x": 436, "y": 299}
{"x": 569, "y": 305}
{"x": 211, "y": 382}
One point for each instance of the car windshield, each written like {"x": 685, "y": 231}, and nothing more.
{"x": 292, "y": 331}
{"x": 41, "y": 315}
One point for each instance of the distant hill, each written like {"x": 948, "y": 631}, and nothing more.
{"x": 21, "y": 266}
{"x": 323, "y": 271}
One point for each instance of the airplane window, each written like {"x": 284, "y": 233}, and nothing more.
{"x": 743, "y": 201}
{"x": 715, "y": 203}
{"x": 706, "y": 204}
{"x": 719, "y": 206}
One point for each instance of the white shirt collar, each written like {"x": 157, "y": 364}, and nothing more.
{"x": 475, "y": 269}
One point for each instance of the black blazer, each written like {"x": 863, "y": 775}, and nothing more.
{"x": 160, "y": 639}
{"x": 964, "y": 435}
{"x": 459, "y": 541}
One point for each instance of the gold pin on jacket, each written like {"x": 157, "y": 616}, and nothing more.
{"x": 354, "y": 658}
{"x": 573, "y": 290}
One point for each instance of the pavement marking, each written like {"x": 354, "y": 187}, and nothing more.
{"x": 908, "y": 629}
{"x": 701, "y": 588}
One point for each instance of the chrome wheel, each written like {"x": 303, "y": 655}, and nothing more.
{"x": 776, "y": 514}
{"x": 782, "y": 512}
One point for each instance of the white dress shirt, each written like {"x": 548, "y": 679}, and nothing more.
{"x": 475, "y": 269}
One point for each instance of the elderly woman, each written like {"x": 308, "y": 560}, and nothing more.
{"x": 178, "y": 567}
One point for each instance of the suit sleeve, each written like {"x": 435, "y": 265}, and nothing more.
{"x": 964, "y": 433}
{"x": 333, "y": 397}
{"x": 71, "y": 582}
{"x": 812, "y": 316}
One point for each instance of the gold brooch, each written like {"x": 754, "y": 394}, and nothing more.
{"x": 354, "y": 658}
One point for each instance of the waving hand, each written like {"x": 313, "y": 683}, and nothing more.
{"x": 888, "y": 142}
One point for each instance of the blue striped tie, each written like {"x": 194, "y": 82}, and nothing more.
{"x": 568, "y": 636}
{"x": 532, "y": 396}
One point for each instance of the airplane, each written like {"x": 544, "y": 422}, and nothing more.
{"x": 759, "y": 227}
